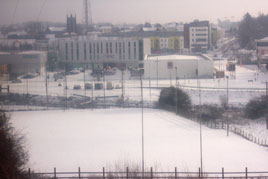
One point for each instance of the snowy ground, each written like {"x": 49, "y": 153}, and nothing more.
{"x": 93, "y": 139}
{"x": 244, "y": 84}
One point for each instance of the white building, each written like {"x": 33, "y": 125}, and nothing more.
{"x": 164, "y": 67}
{"x": 121, "y": 52}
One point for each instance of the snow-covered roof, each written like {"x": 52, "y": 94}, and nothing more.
{"x": 175, "y": 57}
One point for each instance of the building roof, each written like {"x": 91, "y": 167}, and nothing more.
{"x": 175, "y": 57}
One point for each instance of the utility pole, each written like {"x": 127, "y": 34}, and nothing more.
{"x": 46, "y": 87}
{"x": 157, "y": 72}
{"x": 176, "y": 92}
{"x": 142, "y": 132}
{"x": 227, "y": 92}
{"x": 201, "y": 147}
{"x": 122, "y": 78}
{"x": 85, "y": 91}
{"x": 104, "y": 95}
{"x": 266, "y": 104}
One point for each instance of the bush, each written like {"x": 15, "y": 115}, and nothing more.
{"x": 13, "y": 157}
{"x": 168, "y": 97}
{"x": 209, "y": 112}
{"x": 256, "y": 108}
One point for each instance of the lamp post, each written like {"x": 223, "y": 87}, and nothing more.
{"x": 157, "y": 72}
{"x": 227, "y": 92}
{"x": 142, "y": 125}
{"x": 199, "y": 106}
{"x": 176, "y": 93}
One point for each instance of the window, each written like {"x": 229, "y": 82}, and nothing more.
{"x": 120, "y": 51}
{"x": 129, "y": 51}
{"x": 66, "y": 51}
{"x": 111, "y": 47}
{"x": 201, "y": 40}
{"x": 77, "y": 51}
{"x": 135, "y": 51}
{"x": 101, "y": 48}
{"x": 85, "y": 51}
{"x": 72, "y": 50}
{"x": 116, "y": 47}
{"x": 97, "y": 48}
{"x": 90, "y": 51}
{"x": 201, "y": 34}
{"x": 107, "y": 48}
{"x": 94, "y": 51}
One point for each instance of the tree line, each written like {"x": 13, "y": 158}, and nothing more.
{"x": 252, "y": 28}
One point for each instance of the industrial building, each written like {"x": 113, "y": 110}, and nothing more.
{"x": 13, "y": 64}
{"x": 182, "y": 66}
{"x": 88, "y": 50}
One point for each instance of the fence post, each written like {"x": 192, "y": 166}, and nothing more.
{"x": 29, "y": 173}
{"x": 151, "y": 172}
{"x": 222, "y": 173}
{"x": 199, "y": 173}
{"x": 55, "y": 173}
{"x": 79, "y": 176}
{"x": 103, "y": 173}
{"x": 246, "y": 172}
{"x": 175, "y": 172}
{"x": 127, "y": 172}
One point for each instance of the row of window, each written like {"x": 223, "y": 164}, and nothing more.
{"x": 97, "y": 48}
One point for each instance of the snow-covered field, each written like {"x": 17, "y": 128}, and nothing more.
{"x": 93, "y": 139}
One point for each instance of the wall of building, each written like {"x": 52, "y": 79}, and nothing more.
{"x": 186, "y": 68}
{"x": 24, "y": 62}
{"x": 104, "y": 50}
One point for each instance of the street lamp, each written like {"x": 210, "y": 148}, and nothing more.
{"x": 142, "y": 126}
{"x": 227, "y": 92}
{"x": 176, "y": 93}
{"x": 157, "y": 72}
{"x": 201, "y": 147}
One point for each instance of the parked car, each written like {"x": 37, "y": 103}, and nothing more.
{"x": 108, "y": 72}
{"x": 28, "y": 76}
{"x": 16, "y": 81}
{"x": 98, "y": 86}
{"x": 117, "y": 86}
{"x": 88, "y": 86}
{"x": 77, "y": 87}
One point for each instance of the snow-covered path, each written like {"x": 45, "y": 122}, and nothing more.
{"x": 93, "y": 139}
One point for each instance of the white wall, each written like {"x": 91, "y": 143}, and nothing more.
{"x": 185, "y": 69}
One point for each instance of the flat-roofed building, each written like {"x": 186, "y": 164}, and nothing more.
{"x": 166, "y": 67}
{"x": 13, "y": 64}
{"x": 113, "y": 51}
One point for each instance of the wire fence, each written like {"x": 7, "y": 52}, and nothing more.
{"x": 150, "y": 174}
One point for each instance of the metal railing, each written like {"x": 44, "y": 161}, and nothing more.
{"x": 150, "y": 174}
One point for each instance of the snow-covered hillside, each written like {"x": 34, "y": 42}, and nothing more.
{"x": 93, "y": 139}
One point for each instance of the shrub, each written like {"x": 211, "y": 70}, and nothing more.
{"x": 209, "y": 112}
{"x": 256, "y": 108}
{"x": 13, "y": 157}
{"x": 168, "y": 97}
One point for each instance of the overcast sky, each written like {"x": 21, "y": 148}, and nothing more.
{"x": 130, "y": 11}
